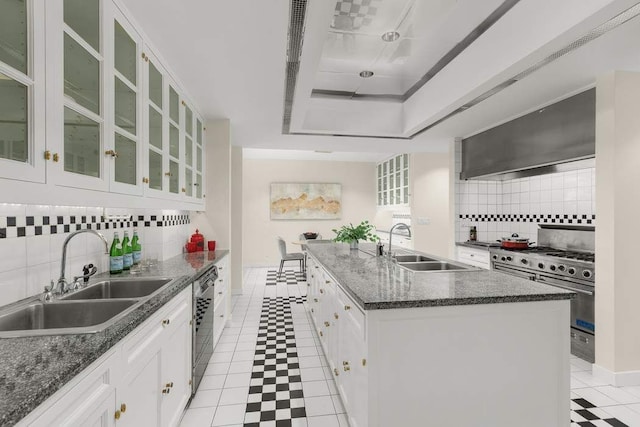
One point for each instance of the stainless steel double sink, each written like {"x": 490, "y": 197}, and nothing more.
{"x": 88, "y": 310}
{"x": 422, "y": 263}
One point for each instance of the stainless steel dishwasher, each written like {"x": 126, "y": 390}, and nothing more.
{"x": 203, "y": 292}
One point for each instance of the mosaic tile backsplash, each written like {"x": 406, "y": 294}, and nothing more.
{"x": 501, "y": 208}
{"x": 31, "y": 238}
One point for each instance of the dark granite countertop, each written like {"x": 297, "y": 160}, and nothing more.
{"x": 483, "y": 246}
{"x": 375, "y": 283}
{"x": 34, "y": 368}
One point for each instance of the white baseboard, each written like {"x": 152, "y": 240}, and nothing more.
{"x": 618, "y": 379}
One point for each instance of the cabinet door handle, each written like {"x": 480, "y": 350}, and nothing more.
{"x": 167, "y": 174}
{"x": 123, "y": 408}
{"x": 111, "y": 153}
{"x": 117, "y": 415}
{"x": 336, "y": 315}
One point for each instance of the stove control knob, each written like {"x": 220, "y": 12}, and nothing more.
{"x": 524, "y": 261}
{"x": 541, "y": 266}
{"x": 562, "y": 267}
{"x": 503, "y": 259}
{"x": 495, "y": 257}
{"x": 509, "y": 258}
{"x": 571, "y": 271}
{"x": 552, "y": 267}
{"x": 587, "y": 274}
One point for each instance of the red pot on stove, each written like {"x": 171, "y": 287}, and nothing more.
{"x": 515, "y": 242}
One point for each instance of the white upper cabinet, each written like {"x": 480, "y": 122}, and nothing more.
{"x": 393, "y": 181}
{"x": 116, "y": 120}
{"x": 22, "y": 85}
{"x": 126, "y": 165}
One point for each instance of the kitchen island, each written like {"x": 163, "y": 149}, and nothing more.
{"x": 441, "y": 348}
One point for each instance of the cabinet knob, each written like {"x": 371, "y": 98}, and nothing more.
{"x": 117, "y": 415}
{"x": 123, "y": 408}
{"x": 315, "y": 300}
{"x": 320, "y": 332}
{"x": 47, "y": 155}
{"x": 165, "y": 322}
{"x": 169, "y": 385}
{"x": 336, "y": 316}
{"x": 347, "y": 307}
{"x": 219, "y": 293}
{"x": 327, "y": 324}
{"x": 327, "y": 281}
{"x": 346, "y": 368}
{"x": 321, "y": 291}
{"x": 312, "y": 310}
{"x": 111, "y": 153}
{"x": 184, "y": 190}
{"x": 56, "y": 157}
{"x": 335, "y": 371}
{"x": 167, "y": 174}
{"x": 308, "y": 284}
{"x": 166, "y": 390}
{"x": 222, "y": 315}
{"x": 145, "y": 180}
{"x": 364, "y": 362}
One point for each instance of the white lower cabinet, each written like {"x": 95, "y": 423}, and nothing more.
{"x": 475, "y": 257}
{"x": 221, "y": 299}
{"x": 143, "y": 380}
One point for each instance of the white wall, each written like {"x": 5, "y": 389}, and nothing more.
{"x": 28, "y": 263}
{"x": 358, "y": 181}
{"x": 618, "y": 293}
{"x": 430, "y": 201}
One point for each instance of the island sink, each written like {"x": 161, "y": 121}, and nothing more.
{"x": 434, "y": 266}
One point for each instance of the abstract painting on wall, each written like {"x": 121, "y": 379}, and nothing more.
{"x": 306, "y": 201}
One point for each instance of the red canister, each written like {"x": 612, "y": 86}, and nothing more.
{"x": 198, "y": 239}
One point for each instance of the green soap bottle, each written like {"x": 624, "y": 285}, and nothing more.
{"x": 127, "y": 252}
{"x": 137, "y": 247}
{"x": 115, "y": 255}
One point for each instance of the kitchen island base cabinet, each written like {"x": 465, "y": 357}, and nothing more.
{"x": 479, "y": 365}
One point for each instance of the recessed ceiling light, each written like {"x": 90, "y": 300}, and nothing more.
{"x": 366, "y": 74}
{"x": 391, "y": 36}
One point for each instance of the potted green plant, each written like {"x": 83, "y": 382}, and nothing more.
{"x": 352, "y": 235}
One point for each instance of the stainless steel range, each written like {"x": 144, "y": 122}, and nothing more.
{"x": 565, "y": 258}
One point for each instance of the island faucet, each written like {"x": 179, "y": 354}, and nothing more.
{"x": 398, "y": 225}
{"x": 61, "y": 286}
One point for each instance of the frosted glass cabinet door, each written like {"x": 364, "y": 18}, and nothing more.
{"x": 125, "y": 53}
{"x": 174, "y": 141}
{"x": 13, "y": 34}
{"x": 81, "y": 144}
{"x": 13, "y": 119}
{"x": 174, "y": 105}
{"x": 83, "y": 16}
{"x": 188, "y": 182}
{"x": 174, "y": 177}
{"x": 188, "y": 152}
{"x": 155, "y": 85}
{"x": 155, "y": 170}
{"x": 155, "y": 128}
{"x": 81, "y": 75}
{"x": 125, "y": 106}
{"x": 126, "y": 161}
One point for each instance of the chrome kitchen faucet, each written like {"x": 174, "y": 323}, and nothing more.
{"x": 398, "y": 225}
{"x": 61, "y": 286}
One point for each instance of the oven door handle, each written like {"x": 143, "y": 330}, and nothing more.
{"x": 569, "y": 288}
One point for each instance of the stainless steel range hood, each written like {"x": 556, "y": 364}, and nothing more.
{"x": 555, "y": 138}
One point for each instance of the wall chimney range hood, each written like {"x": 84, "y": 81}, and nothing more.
{"x": 555, "y": 138}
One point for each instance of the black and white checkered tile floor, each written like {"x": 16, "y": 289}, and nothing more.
{"x": 275, "y": 392}
{"x": 290, "y": 277}
{"x": 268, "y": 370}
